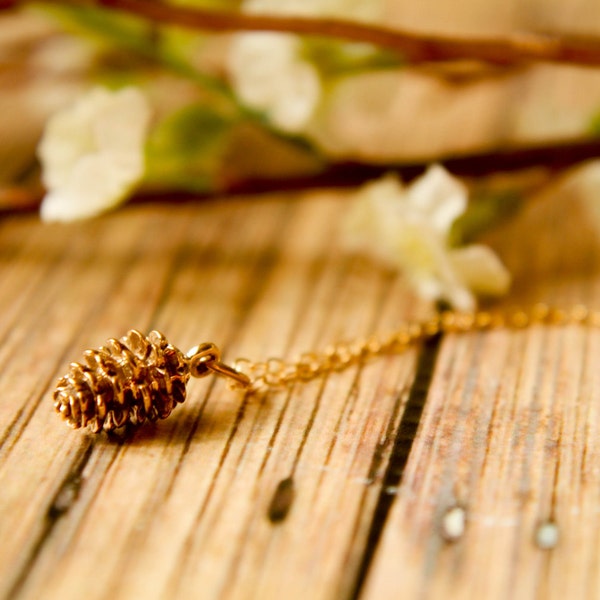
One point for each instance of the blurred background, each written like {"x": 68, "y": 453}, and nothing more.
{"x": 228, "y": 107}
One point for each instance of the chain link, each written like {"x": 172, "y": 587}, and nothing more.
{"x": 275, "y": 372}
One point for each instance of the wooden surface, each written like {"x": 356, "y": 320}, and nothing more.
{"x": 502, "y": 424}
{"x": 501, "y": 427}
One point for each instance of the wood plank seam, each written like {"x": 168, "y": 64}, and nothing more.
{"x": 403, "y": 440}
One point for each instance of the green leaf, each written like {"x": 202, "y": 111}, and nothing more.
{"x": 102, "y": 25}
{"x": 339, "y": 59}
{"x": 594, "y": 125}
{"x": 185, "y": 150}
{"x": 486, "y": 210}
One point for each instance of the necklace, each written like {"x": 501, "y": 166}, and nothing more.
{"x": 142, "y": 378}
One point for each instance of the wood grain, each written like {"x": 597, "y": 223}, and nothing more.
{"x": 509, "y": 434}
{"x": 181, "y": 509}
{"x": 182, "y": 506}
{"x": 339, "y": 488}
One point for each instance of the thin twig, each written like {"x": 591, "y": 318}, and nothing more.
{"x": 513, "y": 49}
{"x": 20, "y": 198}
{"x": 551, "y": 157}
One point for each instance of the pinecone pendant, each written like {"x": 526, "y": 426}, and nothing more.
{"x": 133, "y": 380}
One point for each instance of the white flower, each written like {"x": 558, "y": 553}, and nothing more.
{"x": 268, "y": 70}
{"x": 583, "y": 184}
{"x": 268, "y": 74}
{"x": 409, "y": 229}
{"x": 92, "y": 153}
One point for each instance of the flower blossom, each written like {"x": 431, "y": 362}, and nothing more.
{"x": 269, "y": 71}
{"x": 92, "y": 153}
{"x": 408, "y": 228}
{"x": 584, "y": 185}
{"x": 269, "y": 74}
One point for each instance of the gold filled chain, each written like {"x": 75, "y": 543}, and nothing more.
{"x": 275, "y": 372}
{"x": 142, "y": 378}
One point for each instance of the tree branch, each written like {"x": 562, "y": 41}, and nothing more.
{"x": 553, "y": 158}
{"x": 513, "y": 49}
{"x": 414, "y": 48}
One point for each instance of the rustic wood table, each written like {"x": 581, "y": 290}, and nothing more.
{"x": 465, "y": 467}
{"x": 501, "y": 426}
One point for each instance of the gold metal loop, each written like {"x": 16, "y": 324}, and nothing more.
{"x": 205, "y": 359}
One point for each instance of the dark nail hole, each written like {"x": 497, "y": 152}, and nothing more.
{"x": 281, "y": 501}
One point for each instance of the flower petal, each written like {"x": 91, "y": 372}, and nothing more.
{"x": 120, "y": 127}
{"x": 297, "y": 97}
{"x": 96, "y": 184}
{"x": 67, "y": 136}
{"x": 407, "y": 229}
{"x": 421, "y": 253}
{"x": 254, "y": 59}
{"x": 269, "y": 74}
{"x": 92, "y": 153}
{"x": 439, "y": 196}
{"x": 584, "y": 185}
{"x": 371, "y": 222}
{"x": 481, "y": 270}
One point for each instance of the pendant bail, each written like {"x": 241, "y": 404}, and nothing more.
{"x": 205, "y": 359}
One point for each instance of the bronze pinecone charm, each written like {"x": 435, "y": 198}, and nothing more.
{"x": 134, "y": 379}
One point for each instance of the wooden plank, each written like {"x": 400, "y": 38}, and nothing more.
{"x": 183, "y": 509}
{"x": 182, "y": 506}
{"x": 508, "y": 430}
{"x": 88, "y": 285}
{"x": 509, "y": 434}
